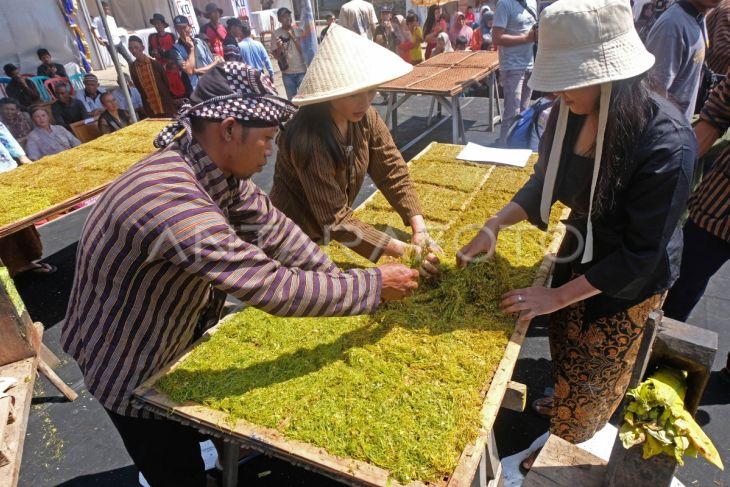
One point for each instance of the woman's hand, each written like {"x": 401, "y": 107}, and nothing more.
{"x": 484, "y": 242}
{"x": 428, "y": 263}
{"x": 532, "y": 301}
{"x": 423, "y": 239}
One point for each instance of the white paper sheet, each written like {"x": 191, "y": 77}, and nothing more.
{"x": 479, "y": 153}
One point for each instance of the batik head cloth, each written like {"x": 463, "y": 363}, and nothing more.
{"x": 232, "y": 89}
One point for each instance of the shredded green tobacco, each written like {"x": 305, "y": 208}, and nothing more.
{"x": 7, "y": 283}
{"x": 401, "y": 389}
{"x": 53, "y": 179}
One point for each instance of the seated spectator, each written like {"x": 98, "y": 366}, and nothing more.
{"x": 48, "y": 67}
{"x": 443, "y": 44}
{"x": 180, "y": 87}
{"x": 330, "y": 18}
{"x": 460, "y": 44}
{"x": 160, "y": 42}
{"x": 112, "y": 118}
{"x": 481, "y": 40}
{"x": 67, "y": 109}
{"x": 20, "y": 88}
{"x": 460, "y": 29}
{"x": 46, "y": 139}
{"x": 151, "y": 80}
{"x": 90, "y": 96}
{"x": 254, "y": 53}
{"x": 16, "y": 120}
{"x": 134, "y": 94}
{"x": 470, "y": 17}
{"x": 10, "y": 150}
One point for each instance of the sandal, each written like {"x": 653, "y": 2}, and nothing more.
{"x": 42, "y": 269}
{"x": 527, "y": 463}
{"x": 545, "y": 407}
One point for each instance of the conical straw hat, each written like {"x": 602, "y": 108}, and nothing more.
{"x": 347, "y": 63}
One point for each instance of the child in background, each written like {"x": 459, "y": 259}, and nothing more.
{"x": 416, "y": 37}
{"x": 180, "y": 87}
{"x": 470, "y": 18}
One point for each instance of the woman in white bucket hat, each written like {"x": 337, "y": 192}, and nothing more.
{"x": 335, "y": 140}
{"x": 621, "y": 157}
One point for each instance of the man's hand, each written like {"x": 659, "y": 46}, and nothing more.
{"x": 398, "y": 281}
{"x": 429, "y": 262}
{"x": 531, "y": 36}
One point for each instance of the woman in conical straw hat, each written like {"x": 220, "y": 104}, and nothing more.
{"x": 621, "y": 158}
{"x": 335, "y": 140}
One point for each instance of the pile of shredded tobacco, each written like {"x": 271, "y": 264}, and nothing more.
{"x": 54, "y": 179}
{"x": 401, "y": 389}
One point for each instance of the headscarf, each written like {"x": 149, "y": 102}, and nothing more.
{"x": 403, "y": 33}
{"x": 457, "y": 31}
{"x": 232, "y": 89}
{"x": 445, "y": 37}
{"x": 485, "y": 15}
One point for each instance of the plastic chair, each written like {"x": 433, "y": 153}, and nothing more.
{"x": 51, "y": 83}
{"x": 42, "y": 90}
{"x": 77, "y": 81}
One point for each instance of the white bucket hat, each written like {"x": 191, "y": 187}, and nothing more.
{"x": 584, "y": 43}
{"x": 347, "y": 63}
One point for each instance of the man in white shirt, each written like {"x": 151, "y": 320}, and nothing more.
{"x": 100, "y": 33}
{"x": 90, "y": 96}
{"x": 359, "y": 16}
{"x": 287, "y": 49}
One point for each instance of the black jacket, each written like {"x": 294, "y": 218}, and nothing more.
{"x": 638, "y": 242}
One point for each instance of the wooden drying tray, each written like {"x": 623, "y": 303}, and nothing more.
{"x": 82, "y": 194}
{"x": 446, "y": 74}
{"x": 348, "y": 470}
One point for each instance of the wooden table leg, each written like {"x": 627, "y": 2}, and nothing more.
{"x": 230, "y": 464}
{"x": 455, "y": 119}
{"x": 490, "y": 122}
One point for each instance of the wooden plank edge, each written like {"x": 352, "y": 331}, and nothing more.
{"x": 51, "y": 210}
{"x": 272, "y": 442}
{"x": 9, "y": 474}
{"x": 469, "y": 462}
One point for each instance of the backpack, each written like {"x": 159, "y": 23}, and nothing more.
{"x": 527, "y": 129}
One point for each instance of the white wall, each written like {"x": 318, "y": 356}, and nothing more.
{"x": 23, "y": 30}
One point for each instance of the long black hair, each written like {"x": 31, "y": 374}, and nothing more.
{"x": 629, "y": 112}
{"x": 430, "y": 19}
{"x": 311, "y": 129}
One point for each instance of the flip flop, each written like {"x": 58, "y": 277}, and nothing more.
{"x": 544, "y": 407}
{"x": 41, "y": 269}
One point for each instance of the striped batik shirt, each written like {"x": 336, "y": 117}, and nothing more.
{"x": 718, "y": 28}
{"x": 709, "y": 207}
{"x": 159, "y": 243}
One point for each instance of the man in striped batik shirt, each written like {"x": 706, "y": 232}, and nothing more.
{"x": 177, "y": 232}
{"x": 707, "y": 232}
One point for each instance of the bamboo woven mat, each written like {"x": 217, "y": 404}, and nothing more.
{"x": 445, "y": 74}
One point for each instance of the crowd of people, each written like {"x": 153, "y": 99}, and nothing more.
{"x": 619, "y": 150}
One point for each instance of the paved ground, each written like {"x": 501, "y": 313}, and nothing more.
{"x": 74, "y": 444}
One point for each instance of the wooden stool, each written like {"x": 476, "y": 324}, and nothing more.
{"x": 562, "y": 464}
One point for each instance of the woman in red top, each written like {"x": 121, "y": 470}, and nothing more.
{"x": 433, "y": 27}
{"x": 158, "y": 43}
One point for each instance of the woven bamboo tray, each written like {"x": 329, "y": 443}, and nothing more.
{"x": 58, "y": 182}
{"x": 314, "y": 346}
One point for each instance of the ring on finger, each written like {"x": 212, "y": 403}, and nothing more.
{"x": 520, "y": 299}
